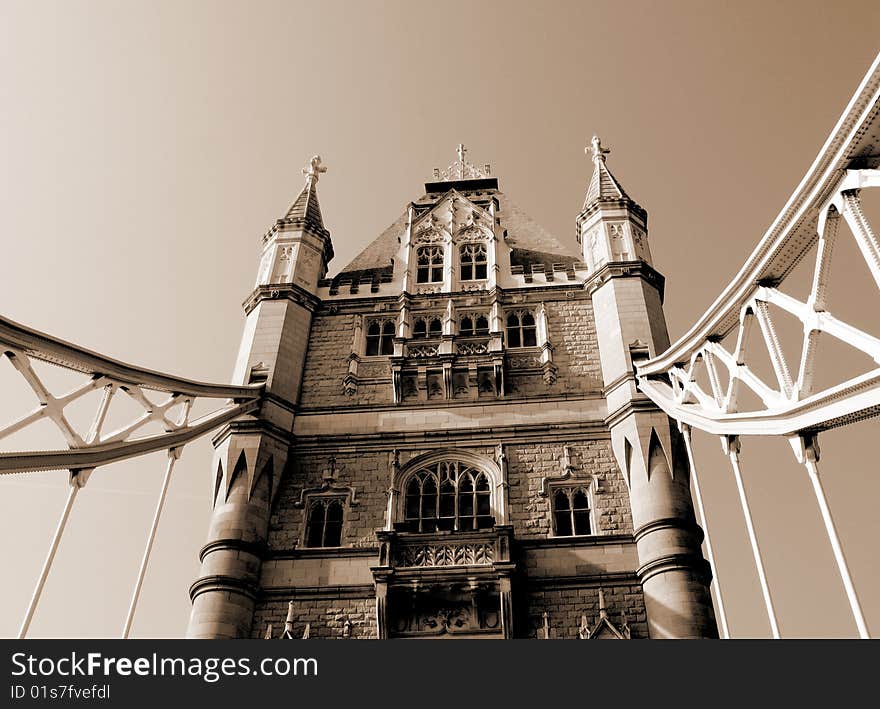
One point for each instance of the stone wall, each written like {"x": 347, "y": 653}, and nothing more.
{"x": 369, "y": 474}
{"x": 530, "y": 463}
{"x": 556, "y": 575}
{"x": 326, "y": 617}
{"x": 565, "y": 606}
{"x": 572, "y": 333}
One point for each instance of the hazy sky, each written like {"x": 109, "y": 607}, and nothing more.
{"x": 147, "y": 146}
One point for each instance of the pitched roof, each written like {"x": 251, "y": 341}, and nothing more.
{"x": 381, "y": 250}
{"x": 305, "y": 208}
{"x": 603, "y": 185}
{"x": 529, "y": 241}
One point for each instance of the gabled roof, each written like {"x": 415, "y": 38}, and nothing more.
{"x": 604, "y": 628}
{"x": 529, "y": 241}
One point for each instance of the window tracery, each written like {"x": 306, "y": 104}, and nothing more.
{"x": 324, "y": 522}
{"x": 447, "y": 496}
{"x": 427, "y": 327}
{"x": 429, "y": 264}
{"x": 473, "y": 324}
{"x": 571, "y": 512}
{"x": 474, "y": 261}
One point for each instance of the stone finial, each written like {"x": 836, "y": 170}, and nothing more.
{"x": 545, "y": 620}
{"x": 268, "y": 635}
{"x": 584, "y": 628}
{"x": 328, "y": 475}
{"x": 288, "y": 623}
{"x": 567, "y": 466}
{"x": 313, "y": 170}
{"x": 307, "y": 631}
{"x": 346, "y": 628}
{"x": 603, "y": 613}
{"x": 461, "y": 169}
{"x": 596, "y": 150}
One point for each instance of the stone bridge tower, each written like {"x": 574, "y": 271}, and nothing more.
{"x": 251, "y": 454}
{"x": 627, "y": 295}
{"x": 452, "y": 443}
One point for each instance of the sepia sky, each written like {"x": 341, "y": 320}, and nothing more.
{"x": 146, "y": 146}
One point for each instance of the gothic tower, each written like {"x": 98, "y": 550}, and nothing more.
{"x": 251, "y": 453}
{"x": 627, "y": 295}
{"x": 451, "y": 443}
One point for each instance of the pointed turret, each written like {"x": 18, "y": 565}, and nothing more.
{"x": 603, "y": 185}
{"x": 249, "y": 454}
{"x": 297, "y": 249}
{"x": 627, "y": 297}
{"x": 611, "y": 226}
{"x": 305, "y": 210}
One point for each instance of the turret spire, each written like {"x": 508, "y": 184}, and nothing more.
{"x": 305, "y": 208}
{"x": 603, "y": 185}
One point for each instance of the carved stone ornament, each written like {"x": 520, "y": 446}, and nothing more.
{"x": 422, "y": 350}
{"x": 472, "y": 348}
{"x": 471, "y": 233}
{"x": 329, "y": 485}
{"x": 568, "y": 475}
{"x": 429, "y": 234}
{"x": 422, "y": 555}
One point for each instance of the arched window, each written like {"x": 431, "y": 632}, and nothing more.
{"x": 429, "y": 264}
{"x": 521, "y": 330}
{"x": 427, "y": 327}
{"x": 324, "y": 525}
{"x": 473, "y": 262}
{"x": 474, "y": 325}
{"x": 380, "y": 338}
{"x": 571, "y": 512}
{"x": 447, "y": 496}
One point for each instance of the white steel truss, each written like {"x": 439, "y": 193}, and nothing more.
{"x": 95, "y": 447}
{"x": 789, "y": 405}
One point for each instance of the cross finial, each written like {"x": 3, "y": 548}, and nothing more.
{"x": 461, "y": 150}
{"x": 314, "y": 169}
{"x": 596, "y": 150}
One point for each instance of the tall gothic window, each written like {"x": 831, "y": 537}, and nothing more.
{"x": 324, "y": 524}
{"x": 521, "y": 330}
{"x": 473, "y": 262}
{"x": 429, "y": 264}
{"x": 380, "y": 338}
{"x": 571, "y": 512}
{"x": 427, "y": 327}
{"x": 473, "y": 325}
{"x": 448, "y": 496}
